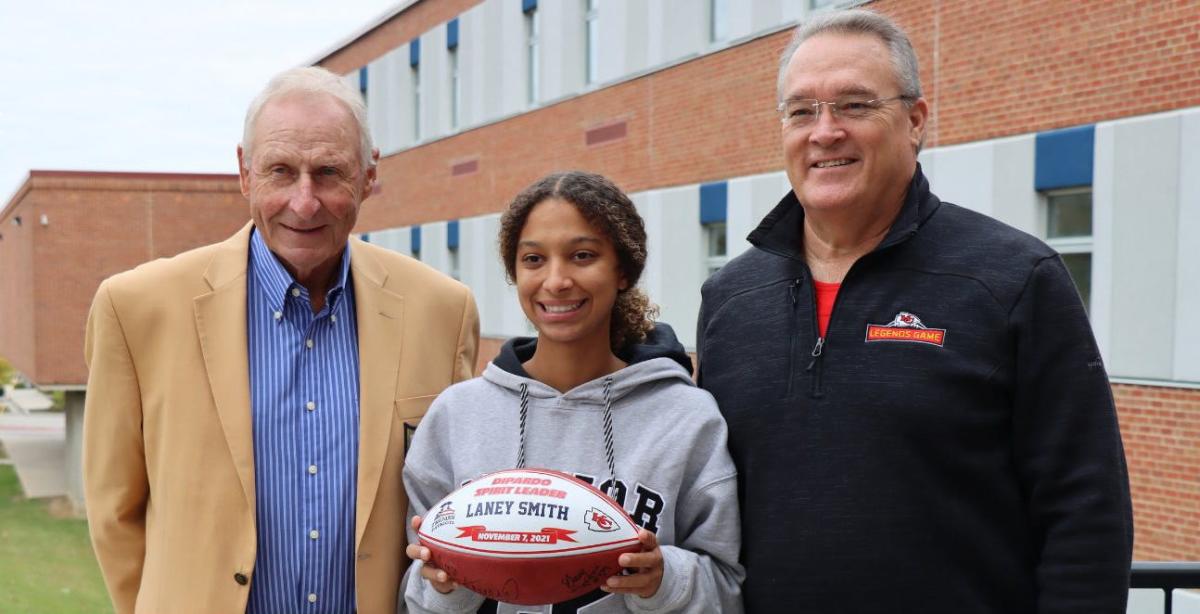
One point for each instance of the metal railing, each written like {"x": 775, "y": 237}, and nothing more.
{"x": 1166, "y": 576}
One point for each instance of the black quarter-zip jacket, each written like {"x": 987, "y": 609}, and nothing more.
{"x": 950, "y": 445}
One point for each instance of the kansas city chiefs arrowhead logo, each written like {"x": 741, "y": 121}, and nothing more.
{"x": 598, "y": 521}
{"x": 906, "y": 328}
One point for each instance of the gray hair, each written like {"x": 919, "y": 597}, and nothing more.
{"x": 317, "y": 80}
{"x": 859, "y": 21}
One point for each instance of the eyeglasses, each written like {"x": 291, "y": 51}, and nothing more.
{"x": 804, "y": 111}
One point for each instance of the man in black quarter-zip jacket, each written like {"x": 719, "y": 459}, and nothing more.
{"x": 916, "y": 404}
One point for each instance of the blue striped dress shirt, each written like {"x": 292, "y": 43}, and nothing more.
{"x": 304, "y": 404}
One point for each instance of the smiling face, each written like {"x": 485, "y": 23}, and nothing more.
{"x": 567, "y": 275}
{"x": 862, "y": 164}
{"x": 305, "y": 181}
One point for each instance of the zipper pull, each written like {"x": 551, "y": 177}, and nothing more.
{"x": 816, "y": 352}
{"x": 792, "y": 290}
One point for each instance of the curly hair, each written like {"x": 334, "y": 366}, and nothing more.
{"x": 609, "y": 211}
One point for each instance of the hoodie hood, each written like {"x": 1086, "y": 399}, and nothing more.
{"x": 659, "y": 357}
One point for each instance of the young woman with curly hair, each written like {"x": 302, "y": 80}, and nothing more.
{"x": 602, "y": 393}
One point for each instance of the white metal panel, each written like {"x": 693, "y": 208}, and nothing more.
{"x": 435, "y": 84}
{"x": 403, "y": 101}
{"x": 1014, "y": 200}
{"x": 1103, "y": 186}
{"x": 750, "y": 200}
{"x": 1187, "y": 277}
{"x": 1145, "y": 216}
{"x": 675, "y": 260}
{"x": 681, "y": 27}
{"x": 395, "y": 239}
{"x": 741, "y": 18}
{"x": 472, "y": 63}
{"x": 563, "y": 53}
{"x": 793, "y": 10}
{"x": 965, "y": 175}
{"x": 614, "y": 33}
{"x": 434, "y": 251}
{"x": 637, "y": 34}
{"x": 992, "y": 177}
{"x": 767, "y": 14}
{"x": 384, "y": 106}
{"x": 500, "y": 312}
{"x": 508, "y": 78}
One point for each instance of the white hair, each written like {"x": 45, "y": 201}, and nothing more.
{"x": 311, "y": 79}
{"x": 859, "y": 21}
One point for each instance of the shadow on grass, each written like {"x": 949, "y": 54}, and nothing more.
{"x": 46, "y": 563}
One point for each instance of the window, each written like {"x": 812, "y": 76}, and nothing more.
{"x": 416, "y": 102}
{"x": 714, "y": 208}
{"x": 531, "y": 54}
{"x": 362, "y": 83}
{"x": 820, "y": 4}
{"x": 452, "y": 249}
{"x": 414, "y": 61}
{"x": 455, "y": 84}
{"x": 455, "y": 92}
{"x": 415, "y": 242}
{"x": 593, "y": 42}
{"x": 718, "y": 12}
{"x": 1069, "y": 231}
{"x": 715, "y": 252}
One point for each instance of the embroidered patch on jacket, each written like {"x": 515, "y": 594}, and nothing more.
{"x": 906, "y": 327}
{"x": 409, "y": 431}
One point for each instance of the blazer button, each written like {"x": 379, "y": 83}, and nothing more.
{"x": 241, "y": 578}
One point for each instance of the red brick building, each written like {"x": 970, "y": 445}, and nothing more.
{"x": 677, "y": 114}
{"x": 65, "y": 231}
{"x": 470, "y": 100}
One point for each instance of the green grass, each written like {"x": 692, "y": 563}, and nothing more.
{"x": 46, "y": 563}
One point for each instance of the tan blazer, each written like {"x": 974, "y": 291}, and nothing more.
{"x": 168, "y": 451}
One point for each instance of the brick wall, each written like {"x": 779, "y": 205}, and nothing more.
{"x": 98, "y": 224}
{"x": 989, "y": 69}
{"x": 16, "y": 285}
{"x": 1161, "y": 430}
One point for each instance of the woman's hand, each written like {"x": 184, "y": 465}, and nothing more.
{"x": 438, "y": 578}
{"x": 647, "y": 567}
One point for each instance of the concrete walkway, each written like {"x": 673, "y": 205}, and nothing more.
{"x": 36, "y": 447}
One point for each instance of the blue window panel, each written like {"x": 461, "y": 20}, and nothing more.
{"x": 416, "y": 239}
{"x": 414, "y": 52}
{"x": 362, "y": 81}
{"x": 452, "y": 34}
{"x": 1063, "y": 158}
{"x": 714, "y": 202}
{"x": 452, "y": 234}
{"x": 528, "y": 5}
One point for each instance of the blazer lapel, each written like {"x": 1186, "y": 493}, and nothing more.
{"x": 221, "y": 325}
{"x": 380, "y": 315}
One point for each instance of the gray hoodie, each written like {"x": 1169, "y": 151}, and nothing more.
{"x": 674, "y": 474}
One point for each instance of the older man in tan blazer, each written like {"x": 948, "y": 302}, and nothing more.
{"x": 198, "y": 434}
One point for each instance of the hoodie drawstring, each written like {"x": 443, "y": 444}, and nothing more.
{"x": 609, "y": 449}
{"x": 608, "y": 439}
{"x": 524, "y": 415}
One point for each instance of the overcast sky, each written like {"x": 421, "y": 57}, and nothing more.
{"x": 148, "y": 85}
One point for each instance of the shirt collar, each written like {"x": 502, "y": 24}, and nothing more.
{"x": 276, "y": 281}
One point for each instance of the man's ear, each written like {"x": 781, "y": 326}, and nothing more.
{"x": 918, "y": 116}
{"x": 243, "y": 171}
{"x": 372, "y": 174}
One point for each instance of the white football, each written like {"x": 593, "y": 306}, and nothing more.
{"x": 528, "y": 536}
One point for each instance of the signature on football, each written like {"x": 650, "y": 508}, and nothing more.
{"x": 585, "y": 578}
